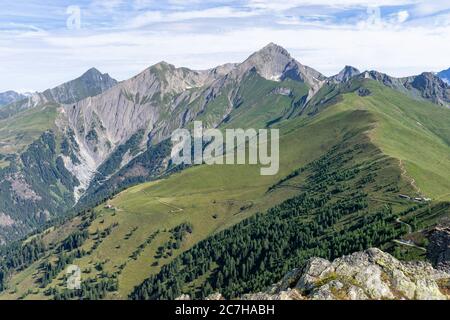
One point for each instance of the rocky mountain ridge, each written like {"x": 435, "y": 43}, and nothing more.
{"x": 439, "y": 247}
{"x": 161, "y": 99}
{"x": 345, "y": 74}
{"x": 90, "y": 83}
{"x": 10, "y": 97}
{"x": 425, "y": 86}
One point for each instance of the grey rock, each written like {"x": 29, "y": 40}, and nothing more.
{"x": 371, "y": 274}
{"x": 274, "y": 63}
{"x": 438, "y": 250}
{"x": 289, "y": 294}
{"x": 90, "y": 84}
{"x": 345, "y": 74}
{"x": 424, "y": 86}
{"x": 315, "y": 270}
{"x": 215, "y": 296}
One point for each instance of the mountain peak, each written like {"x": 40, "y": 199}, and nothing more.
{"x": 273, "y": 62}
{"x": 94, "y": 73}
{"x": 92, "y": 70}
{"x": 273, "y": 49}
{"x": 163, "y": 65}
{"x": 350, "y": 69}
{"x": 271, "y": 53}
{"x": 89, "y": 84}
{"x": 347, "y": 73}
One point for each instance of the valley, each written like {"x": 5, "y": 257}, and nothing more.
{"x": 351, "y": 149}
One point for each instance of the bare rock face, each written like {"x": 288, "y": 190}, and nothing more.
{"x": 424, "y": 86}
{"x": 372, "y": 274}
{"x": 439, "y": 248}
{"x": 274, "y": 63}
{"x": 346, "y": 74}
{"x": 5, "y": 220}
{"x": 10, "y": 97}
{"x": 289, "y": 294}
{"x": 215, "y": 296}
{"x": 90, "y": 84}
{"x": 144, "y": 103}
{"x": 159, "y": 100}
{"x": 432, "y": 88}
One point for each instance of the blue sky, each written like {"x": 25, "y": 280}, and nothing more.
{"x": 42, "y": 44}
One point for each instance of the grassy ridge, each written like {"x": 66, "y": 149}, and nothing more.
{"x": 22, "y": 129}
{"x": 211, "y": 198}
{"x": 414, "y": 132}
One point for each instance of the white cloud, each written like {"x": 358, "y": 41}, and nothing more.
{"x": 282, "y": 5}
{"x": 402, "y": 16}
{"x": 431, "y": 7}
{"x": 107, "y": 4}
{"x": 406, "y": 42}
{"x": 140, "y": 4}
{"x": 152, "y": 17}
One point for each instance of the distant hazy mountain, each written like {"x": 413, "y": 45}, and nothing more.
{"x": 445, "y": 75}
{"x": 10, "y": 97}
{"x": 91, "y": 83}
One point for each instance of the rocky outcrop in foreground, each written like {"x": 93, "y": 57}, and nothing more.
{"x": 372, "y": 274}
{"x": 438, "y": 250}
{"x": 369, "y": 275}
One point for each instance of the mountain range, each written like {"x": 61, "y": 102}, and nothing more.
{"x": 86, "y": 177}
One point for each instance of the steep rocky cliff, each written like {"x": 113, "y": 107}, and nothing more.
{"x": 346, "y": 74}
{"x": 439, "y": 247}
{"x": 424, "y": 86}
{"x": 160, "y": 99}
{"x": 90, "y": 84}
